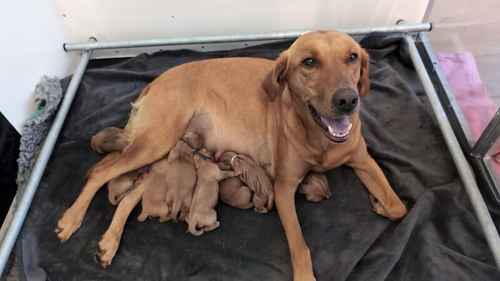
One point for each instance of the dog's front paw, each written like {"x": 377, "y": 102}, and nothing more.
{"x": 68, "y": 224}
{"x": 304, "y": 277}
{"x": 107, "y": 248}
{"x": 394, "y": 212}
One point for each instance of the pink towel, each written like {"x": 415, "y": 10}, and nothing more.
{"x": 461, "y": 72}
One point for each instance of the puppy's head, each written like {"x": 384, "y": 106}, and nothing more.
{"x": 326, "y": 73}
{"x": 194, "y": 140}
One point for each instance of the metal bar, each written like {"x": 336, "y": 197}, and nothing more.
{"x": 490, "y": 134}
{"x": 453, "y": 103}
{"x": 455, "y": 117}
{"x": 464, "y": 170}
{"x": 68, "y": 47}
{"x": 21, "y": 209}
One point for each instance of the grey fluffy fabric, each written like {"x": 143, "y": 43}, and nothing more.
{"x": 47, "y": 95}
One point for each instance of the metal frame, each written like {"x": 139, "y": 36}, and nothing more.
{"x": 68, "y": 47}
{"x": 490, "y": 134}
{"x": 457, "y": 120}
{"x": 465, "y": 171}
{"x": 21, "y": 205}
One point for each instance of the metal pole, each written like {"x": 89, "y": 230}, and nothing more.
{"x": 458, "y": 156}
{"x": 21, "y": 210}
{"x": 236, "y": 38}
{"x": 490, "y": 134}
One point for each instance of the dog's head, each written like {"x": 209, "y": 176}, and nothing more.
{"x": 326, "y": 73}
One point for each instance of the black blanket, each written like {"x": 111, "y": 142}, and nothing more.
{"x": 440, "y": 238}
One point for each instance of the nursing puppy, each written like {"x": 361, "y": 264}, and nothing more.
{"x": 168, "y": 186}
{"x": 254, "y": 178}
{"x": 235, "y": 193}
{"x": 169, "y": 194}
{"x": 163, "y": 194}
{"x": 296, "y": 114}
{"x": 315, "y": 187}
{"x": 202, "y": 216}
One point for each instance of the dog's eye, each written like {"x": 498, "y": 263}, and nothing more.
{"x": 353, "y": 57}
{"x": 309, "y": 62}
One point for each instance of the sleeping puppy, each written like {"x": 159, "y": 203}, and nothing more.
{"x": 170, "y": 184}
{"x": 166, "y": 193}
{"x": 315, "y": 187}
{"x": 202, "y": 216}
{"x": 236, "y": 194}
{"x": 120, "y": 186}
{"x": 253, "y": 176}
{"x": 162, "y": 194}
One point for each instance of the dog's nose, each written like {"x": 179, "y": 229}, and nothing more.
{"x": 345, "y": 100}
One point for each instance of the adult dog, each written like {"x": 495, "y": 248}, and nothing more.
{"x": 294, "y": 115}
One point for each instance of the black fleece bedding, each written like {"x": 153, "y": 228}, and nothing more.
{"x": 440, "y": 238}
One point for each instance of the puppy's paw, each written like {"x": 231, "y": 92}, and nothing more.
{"x": 68, "y": 224}
{"x": 260, "y": 209}
{"x": 107, "y": 248}
{"x": 211, "y": 227}
{"x": 262, "y": 202}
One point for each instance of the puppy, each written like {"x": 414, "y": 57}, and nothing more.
{"x": 202, "y": 216}
{"x": 170, "y": 184}
{"x": 234, "y": 193}
{"x": 315, "y": 187}
{"x": 120, "y": 186}
{"x": 253, "y": 176}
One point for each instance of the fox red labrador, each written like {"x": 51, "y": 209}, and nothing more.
{"x": 294, "y": 115}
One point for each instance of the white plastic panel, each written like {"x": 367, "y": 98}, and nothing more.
{"x": 33, "y": 29}
{"x": 32, "y": 34}
{"x": 115, "y": 20}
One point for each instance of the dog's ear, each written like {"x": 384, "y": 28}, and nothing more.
{"x": 364, "y": 81}
{"x": 274, "y": 83}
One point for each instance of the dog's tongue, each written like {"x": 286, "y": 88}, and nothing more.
{"x": 337, "y": 127}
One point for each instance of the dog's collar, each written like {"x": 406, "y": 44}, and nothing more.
{"x": 232, "y": 159}
{"x": 197, "y": 151}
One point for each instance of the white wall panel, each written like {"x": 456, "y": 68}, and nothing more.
{"x": 132, "y": 19}
{"x": 34, "y": 30}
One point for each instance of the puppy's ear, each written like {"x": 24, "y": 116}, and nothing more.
{"x": 274, "y": 83}
{"x": 364, "y": 81}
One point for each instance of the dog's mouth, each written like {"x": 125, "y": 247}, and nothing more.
{"x": 336, "y": 129}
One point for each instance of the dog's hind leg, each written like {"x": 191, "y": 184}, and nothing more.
{"x": 110, "y": 241}
{"x": 148, "y": 146}
{"x": 137, "y": 155}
